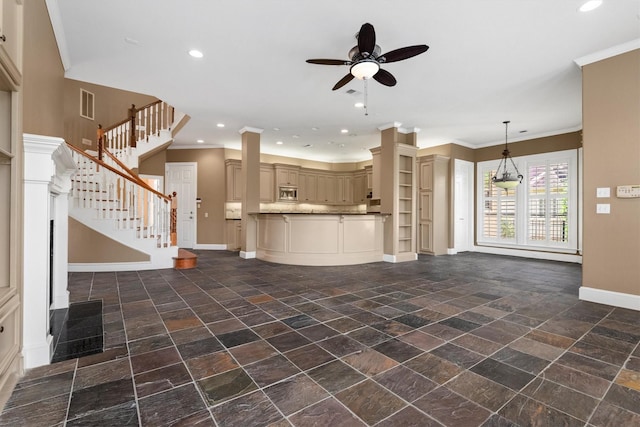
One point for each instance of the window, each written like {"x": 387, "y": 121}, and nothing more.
{"x": 541, "y": 213}
{"x": 86, "y": 104}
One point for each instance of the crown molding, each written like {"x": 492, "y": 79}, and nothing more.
{"x": 608, "y": 53}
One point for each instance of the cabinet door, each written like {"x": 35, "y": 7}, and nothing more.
{"x": 359, "y": 189}
{"x": 287, "y": 177}
{"x": 426, "y": 206}
{"x": 426, "y": 176}
{"x": 307, "y": 187}
{"x": 426, "y": 237}
{"x": 326, "y": 189}
{"x": 267, "y": 187}
{"x": 10, "y": 17}
{"x": 234, "y": 183}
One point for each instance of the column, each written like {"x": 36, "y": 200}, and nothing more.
{"x": 250, "y": 190}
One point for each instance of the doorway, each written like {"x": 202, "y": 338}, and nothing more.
{"x": 181, "y": 178}
{"x": 463, "y": 205}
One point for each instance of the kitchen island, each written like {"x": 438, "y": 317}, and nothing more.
{"x": 320, "y": 238}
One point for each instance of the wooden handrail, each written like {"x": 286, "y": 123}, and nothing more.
{"x": 129, "y": 171}
{"x": 116, "y": 171}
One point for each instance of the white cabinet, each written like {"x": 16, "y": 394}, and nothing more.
{"x": 10, "y": 44}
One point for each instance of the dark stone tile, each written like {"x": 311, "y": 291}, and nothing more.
{"x": 588, "y": 365}
{"x": 477, "y": 318}
{"x": 329, "y": 412}
{"x": 154, "y": 360}
{"x": 226, "y": 386}
{"x": 625, "y": 316}
{"x": 252, "y": 352}
{"x": 271, "y": 370}
{"x": 497, "y": 421}
{"x": 288, "y": 341}
{"x": 336, "y": 376}
{"x": 612, "y": 344}
{"x": 198, "y": 419}
{"x": 199, "y": 348}
{"x": 526, "y": 362}
{"x": 184, "y": 336}
{"x": 185, "y": 401}
{"x": 295, "y": 393}
{"x": 149, "y": 344}
{"x": 602, "y": 354}
{"x": 405, "y": 382}
{"x": 49, "y": 412}
{"x": 47, "y": 371}
{"x": 566, "y": 327}
{"x": 461, "y": 324}
{"x": 397, "y": 350}
{"x": 370, "y": 401}
{"x": 210, "y": 364}
{"x": 503, "y": 374}
{"x": 94, "y": 399}
{"x": 299, "y": 321}
{"x": 477, "y": 344}
{"x": 421, "y": 340}
{"x": 236, "y": 338}
{"x": 93, "y": 375}
{"x": 434, "y": 368}
{"x": 271, "y": 329}
{"x": 608, "y": 415}
{"x": 412, "y": 320}
{"x": 618, "y": 330}
{"x": 481, "y": 390}
{"x": 457, "y": 355}
{"x": 577, "y": 380}
{"x": 451, "y": 408}
{"x": 572, "y": 402}
{"x": 161, "y": 379}
{"x": 84, "y": 309}
{"x": 122, "y": 415}
{"x": 318, "y": 332}
{"x": 39, "y": 389}
{"x": 78, "y": 348}
{"x": 528, "y": 412}
{"x": 252, "y": 409}
{"x": 344, "y": 324}
{"x": 370, "y": 362}
{"x": 180, "y": 319}
{"x": 309, "y": 356}
{"x": 624, "y": 397}
{"x": 368, "y": 336}
{"x": 442, "y": 331}
{"x": 501, "y": 332}
{"x": 409, "y": 416}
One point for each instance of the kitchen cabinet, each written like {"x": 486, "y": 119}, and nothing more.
{"x": 360, "y": 188}
{"x": 10, "y": 44}
{"x": 307, "y": 187}
{"x": 326, "y": 189}
{"x": 344, "y": 189}
{"x": 267, "y": 184}
{"x": 234, "y": 235}
{"x": 233, "y": 175}
{"x": 286, "y": 176}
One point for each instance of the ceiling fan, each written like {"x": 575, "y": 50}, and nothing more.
{"x": 366, "y": 59}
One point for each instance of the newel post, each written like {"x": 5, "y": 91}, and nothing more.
{"x": 173, "y": 227}
{"x": 100, "y": 135}
{"x": 132, "y": 130}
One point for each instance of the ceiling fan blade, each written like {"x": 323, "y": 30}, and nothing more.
{"x": 366, "y": 39}
{"x": 343, "y": 81}
{"x": 403, "y": 53}
{"x": 328, "y": 61}
{"x": 384, "y": 77}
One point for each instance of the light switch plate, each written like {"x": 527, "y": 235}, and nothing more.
{"x": 628, "y": 191}
{"x": 603, "y": 208}
{"x": 603, "y": 192}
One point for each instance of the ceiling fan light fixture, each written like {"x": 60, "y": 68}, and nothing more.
{"x": 365, "y": 69}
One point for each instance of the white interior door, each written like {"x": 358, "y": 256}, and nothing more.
{"x": 181, "y": 178}
{"x": 463, "y": 206}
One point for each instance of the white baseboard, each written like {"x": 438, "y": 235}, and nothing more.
{"x": 39, "y": 354}
{"x": 451, "y": 251}
{"x": 523, "y": 253}
{"x": 210, "y": 246}
{"x": 616, "y": 299}
{"x": 112, "y": 266}
{"x": 388, "y": 258}
{"x": 247, "y": 255}
{"x": 61, "y": 301}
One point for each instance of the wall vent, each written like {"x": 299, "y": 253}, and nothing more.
{"x": 86, "y": 141}
{"x": 86, "y": 104}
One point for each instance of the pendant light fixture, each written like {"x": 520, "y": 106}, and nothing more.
{"x": 505, "y": 178}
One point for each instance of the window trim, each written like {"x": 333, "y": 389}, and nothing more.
{"x": 522, "y": 203}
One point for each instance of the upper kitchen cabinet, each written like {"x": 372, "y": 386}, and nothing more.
{"x": 286, "y": 175}
{"x": 10, "y": 44}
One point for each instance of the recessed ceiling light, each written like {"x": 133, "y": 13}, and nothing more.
{"x": 359, "y": 104}
{"x": 590, "y": 5}
{"x": 314, "y": 128}
{"x": 130, "y": 40}
{"x": 330, "y": 142}
{"x": 220, "y": 125}
{"x": 279, "y": 142}
{"x": 196, "y": 53}
{"x": 200, "y": 141}
{"x": 344, "y": 131}
{"x": 276, "y": 129}
{"x": 295, "y": 136}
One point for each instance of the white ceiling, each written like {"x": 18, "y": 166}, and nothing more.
{"x": 489, "y": 61}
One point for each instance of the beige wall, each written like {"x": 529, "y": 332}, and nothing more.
{"x": 211, "y": 188}
{"x": 111, "y": 107}
{"x": 89, "y": 246}
{"x": 153, "y": 165}
{"x": 43, "y": 75}
{"x": 611, "y": 117}
{"x": 548, "y": 144}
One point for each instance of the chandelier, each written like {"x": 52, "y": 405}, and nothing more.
{"x": 509, "y": 178}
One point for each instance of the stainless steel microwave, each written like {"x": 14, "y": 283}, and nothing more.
{"x": 288, "y": 194}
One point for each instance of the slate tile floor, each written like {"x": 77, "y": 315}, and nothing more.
{"x": 466, "y": 340}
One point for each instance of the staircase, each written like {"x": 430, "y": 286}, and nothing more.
{"x": 108, "y": 197}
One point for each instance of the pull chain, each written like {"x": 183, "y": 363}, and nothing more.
{"x": 366, "y": 97}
